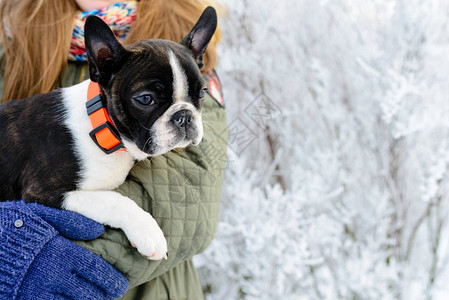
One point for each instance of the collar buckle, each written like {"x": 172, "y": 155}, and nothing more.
{"x": 109, "y": 130}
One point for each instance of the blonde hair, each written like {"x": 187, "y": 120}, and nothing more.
{"x": 172, "y": 20}
{"x": 41, "y": 33}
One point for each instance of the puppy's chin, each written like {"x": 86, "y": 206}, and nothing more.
{"x": 197, "y": 140}
{"x": 182, "y": 144}
{"x": 161, "y": 149}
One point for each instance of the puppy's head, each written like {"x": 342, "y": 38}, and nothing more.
{"x": 153, "y": 89}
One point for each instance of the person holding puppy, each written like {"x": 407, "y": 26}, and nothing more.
{"x": 43, "y": 50}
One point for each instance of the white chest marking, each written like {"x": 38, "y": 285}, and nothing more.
{"x": 99, "y": 171}
{"x": 179, "y": 79}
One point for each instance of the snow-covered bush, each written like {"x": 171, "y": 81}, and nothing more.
{"x": 337, "y": 182}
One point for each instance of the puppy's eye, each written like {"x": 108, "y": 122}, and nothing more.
{"x": 145, "y": 100}
{"x": 202, "y": 93}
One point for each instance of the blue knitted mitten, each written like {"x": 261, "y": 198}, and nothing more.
{"x": 36, "y": 262}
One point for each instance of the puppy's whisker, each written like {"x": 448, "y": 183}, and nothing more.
{"x": 149, "y": 140}
{"x": 143, "y": 126}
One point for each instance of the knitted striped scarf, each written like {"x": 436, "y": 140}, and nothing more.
{"x": 118, "y": 16}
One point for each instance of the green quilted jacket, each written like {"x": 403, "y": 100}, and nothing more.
{"x": 181, "y": 190}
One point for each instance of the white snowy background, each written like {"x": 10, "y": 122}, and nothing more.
{"x": 337, "y": 181}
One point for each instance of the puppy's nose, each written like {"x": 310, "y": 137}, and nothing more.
{"x": 182, "y": 118}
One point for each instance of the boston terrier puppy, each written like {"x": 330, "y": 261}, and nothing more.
{"x": 69, "y": 148}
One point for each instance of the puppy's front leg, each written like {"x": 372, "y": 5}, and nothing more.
{"x": 111, "y": 208}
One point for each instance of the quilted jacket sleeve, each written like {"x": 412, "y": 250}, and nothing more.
{"x": 182, "y": 191}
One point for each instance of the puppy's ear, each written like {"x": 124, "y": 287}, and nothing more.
{"x": 104, "y": 52}
{"x": 198, "y": 39}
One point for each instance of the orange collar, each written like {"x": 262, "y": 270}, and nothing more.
{"x": 104, "y": 134}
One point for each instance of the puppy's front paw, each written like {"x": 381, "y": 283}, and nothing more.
{"x": 146, "y": 235}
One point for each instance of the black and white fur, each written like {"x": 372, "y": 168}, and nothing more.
{"x": 153, "y": 91}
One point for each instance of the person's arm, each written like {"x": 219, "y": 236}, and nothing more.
{"x": 182, "y": 191}
{"x": 36, "y": 262}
